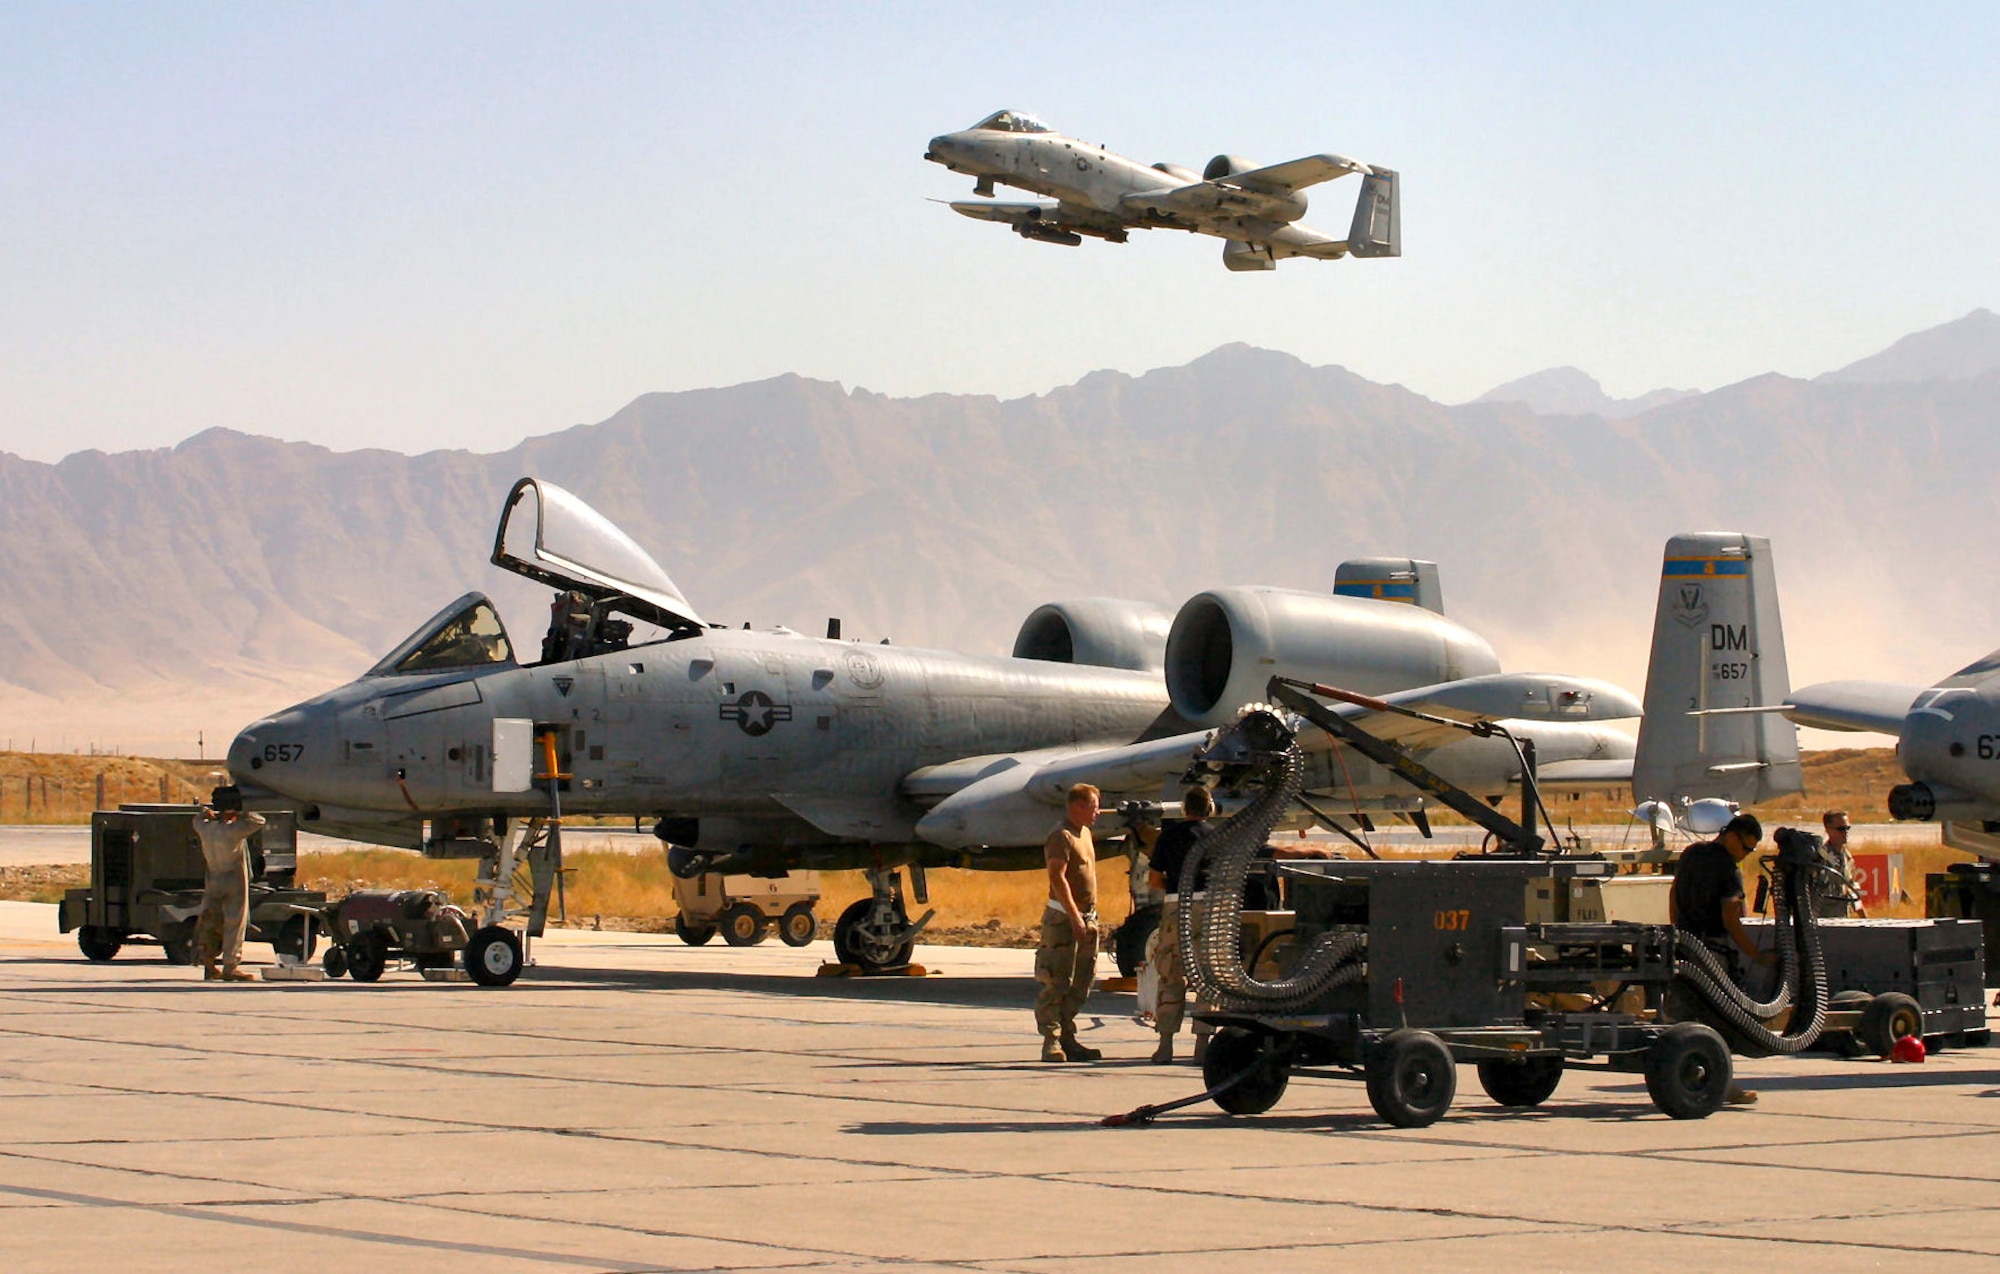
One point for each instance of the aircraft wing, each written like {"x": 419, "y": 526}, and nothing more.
{"x": 1008, "y": 213}
{"x": 1008, "y": 800}
{"x": 1296, "y": 174}
{"x": 1879, "y": 706}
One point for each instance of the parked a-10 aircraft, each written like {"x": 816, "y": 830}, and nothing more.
{"x": 1098, "y": 193}
{"x": 760, "y": 751}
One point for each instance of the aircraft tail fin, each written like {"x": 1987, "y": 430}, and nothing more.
{"x": 1378, "y": 217}
{"x": 1391, "y": 579}
{"x": 1718, "y": 657}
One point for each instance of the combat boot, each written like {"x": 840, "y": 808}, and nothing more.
{"x": 1052, "y": 1051}
{"x": 238, "y": 975}
{"x": 1164, "y": 1054}
{"x": 210, "y": 972}
{"x": 1077, "y": 1051}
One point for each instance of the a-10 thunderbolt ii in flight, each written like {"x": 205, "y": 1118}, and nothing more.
{"x": 761, "y": 751}
{"x": 1092, "y": 191}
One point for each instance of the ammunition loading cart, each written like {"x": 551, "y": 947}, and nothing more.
{"x": 146, "y": 873}
{"x": 370, "y": 928}
{"x": 1398, "y": 971}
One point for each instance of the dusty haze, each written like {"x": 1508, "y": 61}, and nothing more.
{"x": 149, "y": 595}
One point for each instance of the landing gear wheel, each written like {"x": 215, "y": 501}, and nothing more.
{"x": 97, "y": 944}
{"x": 294, "y": 939}
{"x": 693, "y": 935}
{"x": 1411, "y": 1078}
{"x": 1887, "y": 1019}
{"x": 866, "y": 935}
{"x": 1128, "y": 944}
{"x": 798, "y": 926}
{"x": 493, "y": 957}
{"x": 743, "y": 926}
{"x": 1688, "y": 1071}
{"x": 1234, "y": 1051}
{"x": 367, "y": 957}
{"x": 334, "y": 961}
{"x": 1520, "y": 1082}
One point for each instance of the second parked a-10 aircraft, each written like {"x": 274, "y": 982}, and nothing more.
{"x": 760, "y": 751}
{"x": 1094, "y": 191}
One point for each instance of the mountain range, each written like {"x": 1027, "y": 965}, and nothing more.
{"x": 147, "y": 595}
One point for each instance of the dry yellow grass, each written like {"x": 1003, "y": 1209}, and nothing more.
{"x": 54, "y": 788}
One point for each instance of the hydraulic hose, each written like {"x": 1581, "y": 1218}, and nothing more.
{"x": 1801, "y": 961}
{"x": 1212, "y": 925}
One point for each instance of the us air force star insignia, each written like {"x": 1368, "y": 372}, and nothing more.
{"x": 756, "y": 712}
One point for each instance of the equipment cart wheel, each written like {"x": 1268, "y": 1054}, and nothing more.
{"x": 493, "y": 957}
{"x": 1520, "y": 1081}
{"x": 1411, "y": 1078}
{"x": 97, "y": 944}
{"x": 1233, "y": 1051}
{"x": 334, "y": 961}
{"x": 177, "y": 950}
{"x": 693, "y": 935}
{"x": 743, "y": 926}
{"x": 295, "y": 939}
{"x": 1888, "y": 1018}
{"x": 864, "y": 932}
{"x": 1688, "y": 1071}
{"x": 1128, "y": 943}
{"x": 798, "y": 926}
{"x": 367, "y": 957}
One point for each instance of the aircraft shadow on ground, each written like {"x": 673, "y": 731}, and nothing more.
{"x": 1599, "y": 1112}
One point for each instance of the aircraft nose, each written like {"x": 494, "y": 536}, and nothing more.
{"x": 281, "y": 753}
{"x": 944, "y": 148}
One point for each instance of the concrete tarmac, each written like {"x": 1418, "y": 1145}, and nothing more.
{"x": 636, "y": 1104}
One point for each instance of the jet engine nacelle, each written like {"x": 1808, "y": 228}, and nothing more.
{"x": 1102, "y": 632}
{"x": 1188, "y": 175}
{"x": 1226, "y": 645}
{"x": 1227, "y": 166}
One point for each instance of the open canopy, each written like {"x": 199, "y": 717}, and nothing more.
{"x": 573, "y": 546}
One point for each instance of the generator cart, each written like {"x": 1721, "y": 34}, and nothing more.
{"x": 1399, "y": 971}
{"x": 146, "y": 873}
{"x": 746, "y": 909}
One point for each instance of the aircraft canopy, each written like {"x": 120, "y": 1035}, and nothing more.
{"x": 1012, "y": 122}
{"x": 466, "y": 634}
{"x": 573, "y": 546}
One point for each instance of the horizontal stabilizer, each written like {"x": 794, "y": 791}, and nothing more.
{"x": 1879, "y": 706}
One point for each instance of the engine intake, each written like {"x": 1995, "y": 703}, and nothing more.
{"x": 1102, "y": 632}
{"x": 1226, "y": 645}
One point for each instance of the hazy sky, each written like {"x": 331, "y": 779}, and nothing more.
{"x": 420, "y": 225}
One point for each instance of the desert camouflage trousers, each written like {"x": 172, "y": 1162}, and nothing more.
{"x": 1171, "y": 970}
{"x": 1065, "y": 965}
{"x": 225, "y": 912}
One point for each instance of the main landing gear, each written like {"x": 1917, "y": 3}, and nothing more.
{"x": 876, "y": 933}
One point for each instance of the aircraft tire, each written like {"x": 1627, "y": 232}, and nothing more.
{"x": 693, "y": 935}
{"x": 798, "y": 926}
{"x": 743, "y": 926}
{"x": 97, "y": 945}
{"x": 853, "y": 944}
{"x": 493, "y": 956}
